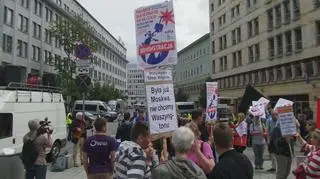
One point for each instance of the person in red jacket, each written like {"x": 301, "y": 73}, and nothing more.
{"x": 240, "y": 133}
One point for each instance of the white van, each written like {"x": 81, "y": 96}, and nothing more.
{"x": 19, "y": 105}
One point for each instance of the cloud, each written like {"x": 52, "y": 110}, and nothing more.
{"x": 191, "y": 16}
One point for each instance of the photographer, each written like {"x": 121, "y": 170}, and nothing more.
{"x": 35, "y": 143}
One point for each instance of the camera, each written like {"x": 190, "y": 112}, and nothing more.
{"x": 45, "y": 127}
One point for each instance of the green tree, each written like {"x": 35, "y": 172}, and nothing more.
{"x": 69, "y": 32}
{"x": 203, "y": 94}
{"x": 103, "y": 92}
{"x": 181, "y": 96}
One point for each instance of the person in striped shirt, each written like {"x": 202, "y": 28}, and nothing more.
{"x": 311, "y": 165}
{"x": 131, "y": 160}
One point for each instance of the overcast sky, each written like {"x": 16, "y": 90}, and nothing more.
{"x": 191, "y": 16}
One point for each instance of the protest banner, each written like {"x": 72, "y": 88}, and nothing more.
{"x": 257, "y": 109}
{"x": 287, "y": 121}
{"x": 155, "y": 35}
{"x": 242, "y": 128}
{"x": 212, "y": 101}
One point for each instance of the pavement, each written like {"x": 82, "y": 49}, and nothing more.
{"x": 78, "y": 172}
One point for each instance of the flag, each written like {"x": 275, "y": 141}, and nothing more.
{"x": 250, "y": 94}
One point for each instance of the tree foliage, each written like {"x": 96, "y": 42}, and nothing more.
{"x": 203, "y": 94}
{"x": 103, "y": 92}
{"x": 181, "y": 96}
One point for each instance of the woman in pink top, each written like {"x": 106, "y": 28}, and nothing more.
{"x": 201, "y": 152}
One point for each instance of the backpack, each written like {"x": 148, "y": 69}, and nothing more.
{"x": 29, "y": 154}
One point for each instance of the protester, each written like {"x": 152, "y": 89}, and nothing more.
{"x": 311, "y": 127}
{"x": 152, "y": 157}
{"x": 79, "y": 133}
{"x": 258, "y": 132}
{"x": 124, "y": 130}
{"x": 271, "y": 124}
{"x": 38, "y": 168}
{"x": 141, "y": 117}
{"x": 99, "y": 153}
{"x": 311, "y": 167}
{"x": 283, "y": 153}
{"x": 249, "y": 120}
{"x": 200, "y": 153}
{"x": 131, "y": 160}
{"x": 231, "y": 165}
{"x": 239, "y": 142}
{"x": 197, "y": 117}
{"x": 180, "y": 167}
{"x": 69, "y": 126}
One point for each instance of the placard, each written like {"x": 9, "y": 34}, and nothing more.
{"x": 212, "y": 100}
{"x": 161, "y": 108}
{"x": 157, "y": 75}
{"x": 242, "y": 128}
{"x": 287, "y": 121}
{"x": 257, "y": 109}
{"x": 155, "y": 35}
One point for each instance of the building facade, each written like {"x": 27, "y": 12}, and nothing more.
{"x": 27, "y": 43}
{"x": 194, "y": 66}
{"x": 135, "y": 86}
{"x": 273, "y": 45}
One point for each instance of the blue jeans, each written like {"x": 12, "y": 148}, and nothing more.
{"x": 258, "y": 150}
{"x": 36, "y": 172}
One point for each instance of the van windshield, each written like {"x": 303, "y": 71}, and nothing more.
{"x": 87, "y": 107}
{"x": 186, "y": 107}
{"x": 6, "y": 124}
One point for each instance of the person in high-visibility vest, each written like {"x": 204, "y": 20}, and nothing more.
{"x": 69, "y": 125}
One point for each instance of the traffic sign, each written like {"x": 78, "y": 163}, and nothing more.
{"x": 82, "y": 51}
{"x": 83, "y": 63}
{"x": 82, "y": 70}
{"x": 83, "y": 82}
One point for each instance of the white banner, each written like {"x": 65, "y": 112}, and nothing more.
{"x": 157, "y": 75}
{"x": 287, "y": 121}
{"x": 155, "y": 35}
{"x": 212, "y": 100}
{"x": 257, "y": 109}
{"x": 161, "y": 108}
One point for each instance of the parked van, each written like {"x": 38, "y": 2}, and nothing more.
{"x": 185, "y": 107}
{"x": 20, "y": 104}
{"x": 95, "y": 108}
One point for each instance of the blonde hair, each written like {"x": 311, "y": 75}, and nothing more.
{"x": 240, "y": 117}
{"x": 194, "y": 128}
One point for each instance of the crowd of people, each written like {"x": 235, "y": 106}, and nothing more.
{"x": 195, "y": 150}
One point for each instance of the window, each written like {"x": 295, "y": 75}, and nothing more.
{"x": 36, "y": 53}
{"x": 234, "y": 60}
{"x": 239, "y": 58}
{"x": 298, "y": 71}
{"x": 233, "y": 37}
{"x": 250, "y": 52}
{"x": 23, "y": 23}
{"x": 57, "y": 43}
{"x": 263, "y": 76}
{"x": 212, "y": 7}
{"x": 37, "y": 8}
{"x": 47, "y": 57}
{"x": 24, "y": 3}
{"x": 279, "y": 45}
{"x": 287, "y": 11}
{"x": 288, "y": 71}
{"x": 22, "y": 49}
{"x": 6, "y": 125}
{"x": 288, "y": 42}
{"x": 249, "y": 29}
{"x": 225, "y": 41}
{"x": 212, "y": 26}
{"x": 225, "y": 63}
{"x": 296, "y": 9}
{"x": 49, "y": 15}
{"x": 48, "y": 37}
{"x": 271, "y": 75}
{"x": 238, "y": 10}
{"x": 213, "y": 66}
{"x": 238, "y": 30}
{"x": 318, "y": 32}
{"x": 7, "y": 43}
{"x": 36, "y": 30}
{"x": 221, "y": 64}
{"x": 232, "y": 12}
{"x": 270, "y": 19}
{"x": 58, "y": 2}
{"x": 66, "y": 8}
{"x": 298, "y": 35}
{"x": 278, "y": 15}
{"x": 257, "y": 52}
{"x": 271, "y": 47}
{"x": 279, "y": 73}
{"x": 256, "y": 26}
{"x": 8, "y": 16}
{"x": 220, "y": 43}
{"x": 256, "y": 77}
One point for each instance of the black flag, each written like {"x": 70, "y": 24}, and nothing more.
{"x": 250, "y": 94}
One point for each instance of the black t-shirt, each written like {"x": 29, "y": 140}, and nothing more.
{"x": 232, "y": 165}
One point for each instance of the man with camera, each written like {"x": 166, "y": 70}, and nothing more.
{"x": 79, "y": 133}
{"x": 33, "y": 152}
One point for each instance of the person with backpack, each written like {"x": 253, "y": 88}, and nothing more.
{"x": 33, "y": 152}
{"x": 124, "y": 131}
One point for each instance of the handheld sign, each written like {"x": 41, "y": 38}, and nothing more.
{"x": 212, "y": 101}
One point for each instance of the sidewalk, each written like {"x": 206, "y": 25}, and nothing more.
{"x": 263, "y": 174}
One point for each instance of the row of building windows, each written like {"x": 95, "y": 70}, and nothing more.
{"x": 191, "y": 88}
{"x": 197, "y": 54}
{"x": 108, "y": 66}
{"x": 191, "y": 73}
{"x": 100, "y": 76}
{"x": 297, "y": 70}
{"x": 135, "y": 76}
{"x": 134, "y": 81}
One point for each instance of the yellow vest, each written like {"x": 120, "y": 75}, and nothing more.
{"x": 69, "y": 119}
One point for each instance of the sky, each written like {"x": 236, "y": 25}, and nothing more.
{"x": 117, "y": 16}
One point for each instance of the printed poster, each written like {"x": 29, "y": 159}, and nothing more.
{"x": 286, "y": 117}
{"x": 242, "y": 128}
{"x": 257, "y": 109}
{"x": 212, "y": 101}
{"x": 155, "y": 35}
{"x": 161, "y": 108}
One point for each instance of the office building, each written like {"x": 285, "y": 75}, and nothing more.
{"x": 28, "y": 44}
{"x": 273, "y": 45}
{"x": 194, "y": 66}
{"x": 135, "y": 86}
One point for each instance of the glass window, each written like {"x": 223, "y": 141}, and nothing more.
{"x": 6, "y": 125}
{"x": 8, "y": 16}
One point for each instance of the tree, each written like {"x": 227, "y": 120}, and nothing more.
{"x": 203, "y": 94}
{"x": 181, "y": 96}
{"x": 103, "y": 92}
{"x": 68, "y": 33}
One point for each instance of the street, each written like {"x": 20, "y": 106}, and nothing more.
{"x": 78, "y": 172}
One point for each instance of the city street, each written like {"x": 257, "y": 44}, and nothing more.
{"x": 78, "y": 172}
